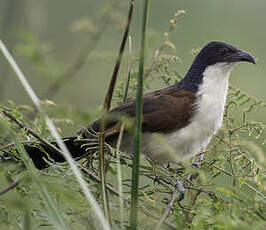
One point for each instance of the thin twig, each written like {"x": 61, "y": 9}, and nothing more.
{"x": 31, "y": 131}
{"x": 148, "y": 213}
{"x": 119, "y": 176}
{"x": 209, "y": 193}
{"x": 258, "y": 101}
{"x": 110, "y": 91}
{"x": 12, "y": 185}
{"x": 254, "y": 190}
{"x": 230, "y": 146}
{"x": 129, "y": 72}
{"x": 97, "y": 179}
{"x": 6, "y": 146}
{"x": 244, "y": 183}
{"x": 239, "y": 151}
{"x": 168, "y": 208}
{"x": 222, "y": 170}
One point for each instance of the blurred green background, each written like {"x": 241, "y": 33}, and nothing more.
{"x": 46, "y": 37}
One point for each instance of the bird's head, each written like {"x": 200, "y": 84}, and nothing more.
{"x": 216, "y": 58}
{"x": 220, "y": 52}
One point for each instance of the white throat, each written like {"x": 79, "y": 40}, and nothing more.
{"x": 211, "y": 95}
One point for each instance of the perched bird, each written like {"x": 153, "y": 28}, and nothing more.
{"x": 179, "y": 120}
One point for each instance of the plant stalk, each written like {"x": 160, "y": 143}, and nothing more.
{"x": 138, "y": 122}
{"x": 107, "y": 104}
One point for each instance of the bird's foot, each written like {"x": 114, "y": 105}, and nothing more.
{"x": 198, "y": 162}
{"x": 181, "y": 188}
{"x": 159, "y": 180}
{"x": 196, "y": 165}
{"x": 178, "y": 184}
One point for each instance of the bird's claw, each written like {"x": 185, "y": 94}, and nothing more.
{"x": 177, "y": 184}
{"x": 159, "y": 179}
{"x": 181, "y": 188}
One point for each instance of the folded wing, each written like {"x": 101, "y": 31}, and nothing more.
{"x": 164, "y": 111}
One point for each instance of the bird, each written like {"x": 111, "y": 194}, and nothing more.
{"x": 177, "y": 121}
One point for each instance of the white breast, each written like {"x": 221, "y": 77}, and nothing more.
{"x": 208, "y": 118}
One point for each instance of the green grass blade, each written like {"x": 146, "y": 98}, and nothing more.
{"x": 138, "y": 125}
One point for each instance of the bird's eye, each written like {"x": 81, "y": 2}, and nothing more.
{"x": 224, "y": 51}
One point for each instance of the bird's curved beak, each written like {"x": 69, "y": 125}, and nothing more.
{"x": 241, "y": 55}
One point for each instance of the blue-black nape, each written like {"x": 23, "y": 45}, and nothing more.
{"x": 214, "y": 52}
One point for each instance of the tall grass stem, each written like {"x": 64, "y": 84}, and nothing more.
{"x": 138, "y": 122}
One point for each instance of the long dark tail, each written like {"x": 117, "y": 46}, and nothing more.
{"x": 39, "y": 154}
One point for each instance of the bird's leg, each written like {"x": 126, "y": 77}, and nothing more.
{"x": 177, "y": 183}
{"x": 196, "y": 165}
{"x": 158, "y": 179}
{"x": 181, "y": 188}
{"x": 200, "y": 159}
{"x": 182, "y": 184}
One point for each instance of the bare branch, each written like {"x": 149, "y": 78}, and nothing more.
{"x": 12, "y": 185}
{"x": 168, "y": 208}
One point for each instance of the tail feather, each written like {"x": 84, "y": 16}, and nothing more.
{"x": 39, "y": 154}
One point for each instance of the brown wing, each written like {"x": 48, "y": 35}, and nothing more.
{"x": 169, "y": 111}
{"x": 164, "y": 111}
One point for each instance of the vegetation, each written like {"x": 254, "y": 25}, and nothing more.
{"x": 226, "y": 192}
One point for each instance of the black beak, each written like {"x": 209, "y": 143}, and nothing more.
{"x": 241, "y": 55}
